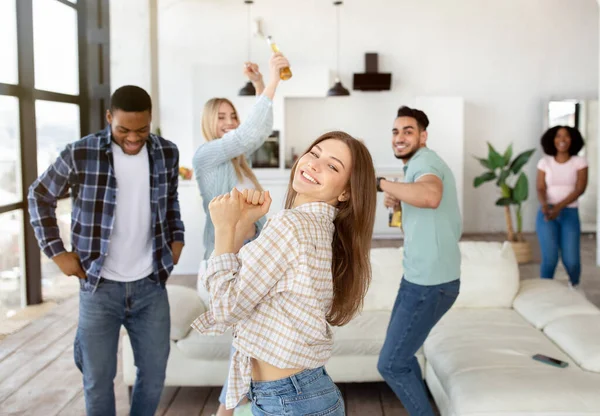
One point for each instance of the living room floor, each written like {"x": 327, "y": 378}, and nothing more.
{"x": 38, "y": 377}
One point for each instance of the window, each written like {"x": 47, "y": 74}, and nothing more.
{"x": 11, "y": 262}
{"x": 55, "y": 47}
{"x": 53, "y": 80}
{"x": 10, "y": 153}
{"x": 8, "y": 45}
{"x": 57, "y": 125}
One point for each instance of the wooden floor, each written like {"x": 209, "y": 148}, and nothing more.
{"x": 38, "y": 375}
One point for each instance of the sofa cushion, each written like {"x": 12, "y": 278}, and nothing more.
{"x": 360, "y": 341}
{"x": 185, "y": 306}
{"x": 489, "y": 275}
{"x": 206, "y": 347}
{"x": 477, "y": 338}
{"x": 541, "y": 301}
{"x": 578, "y": 336}
{"x": 364, "y": 335}
{"x": 482, "y": 361}
{"x": 387, "y": 271}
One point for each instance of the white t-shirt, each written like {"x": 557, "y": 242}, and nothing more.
{"x": 129, "y": 255}
{"x": 561, "y": 178}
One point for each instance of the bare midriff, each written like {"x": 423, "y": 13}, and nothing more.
{"x": 262, "y": 371}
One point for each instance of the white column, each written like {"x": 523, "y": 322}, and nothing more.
{"x": 598, "y": 182}
{"x": 134, "y": 47}
{"x": 447, "y": 134}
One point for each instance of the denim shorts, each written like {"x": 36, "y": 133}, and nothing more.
{"x": 308, "y": 393}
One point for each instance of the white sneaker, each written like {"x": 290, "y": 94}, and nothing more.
{"x": 576, "y": 288}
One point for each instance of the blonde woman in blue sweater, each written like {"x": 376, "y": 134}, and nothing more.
{"x": 221, "y": 163}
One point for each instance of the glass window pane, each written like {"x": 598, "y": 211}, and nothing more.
{"x": 11, "y": 263}
{"x": 55, "y": 285}
{"x": 57, "y": 125}
{"x": 55, "y": 47}
{"x": 8, "y": 45}
{"x": 10, "y": 155}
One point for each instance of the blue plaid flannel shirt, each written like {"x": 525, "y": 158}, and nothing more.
{"x": 86, "y": 168}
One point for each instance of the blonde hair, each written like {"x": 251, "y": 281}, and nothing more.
{"x": 210, "y": 120}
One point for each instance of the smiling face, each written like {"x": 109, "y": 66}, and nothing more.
{"x": 130, "y": 130}
{"x": 407, "y": 137}
{"x": 322, "y": 174}
{"x": 227, "y": 119}
{"x": 562, "y": 140}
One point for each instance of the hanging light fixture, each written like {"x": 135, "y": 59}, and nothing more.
{"x": 248, "y": 89}
{"x": 338, "y": 89}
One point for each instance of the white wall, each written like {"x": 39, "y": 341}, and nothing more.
{"x": 130, "y": 53}
{"x": 446, "y": 135}
{"x": 134, "y": 47}
{"x": 506, "y": 58}
{"x": 598, "y": 181}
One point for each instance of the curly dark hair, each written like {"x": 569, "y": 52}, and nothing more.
{"x": 420, "y": 116}
{"x": 547, "y": 140}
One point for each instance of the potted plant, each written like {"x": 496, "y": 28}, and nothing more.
{"x": 503, "y": 169}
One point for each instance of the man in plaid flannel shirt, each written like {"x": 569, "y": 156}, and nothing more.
{"x": 127, "y": 235}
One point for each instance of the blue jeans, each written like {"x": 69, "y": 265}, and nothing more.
{"x": 561, "y": 235}
{"x": 143, "y": 308}
{"x": 416, "y": 311}
{"x": 310, "y": 392}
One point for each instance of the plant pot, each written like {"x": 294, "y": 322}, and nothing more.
{"x": 522, "y": 251}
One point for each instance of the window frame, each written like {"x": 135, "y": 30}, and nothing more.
{"x": 93, "y": 33}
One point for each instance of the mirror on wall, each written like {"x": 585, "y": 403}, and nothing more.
{"x": 582, "y": 114}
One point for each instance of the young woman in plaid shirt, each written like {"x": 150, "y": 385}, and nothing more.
{"x": 309, "y": 269}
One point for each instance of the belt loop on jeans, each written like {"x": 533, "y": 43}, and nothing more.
{"x": 296, "y": 384}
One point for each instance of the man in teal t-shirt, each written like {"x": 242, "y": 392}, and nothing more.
{"x": 432, "y": 227}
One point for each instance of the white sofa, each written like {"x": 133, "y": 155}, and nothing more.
{"x": 477, "y": 360}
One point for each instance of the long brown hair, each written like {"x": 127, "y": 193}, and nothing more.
{"x": 351, "y": 264}
{"x": 210, "y": 120}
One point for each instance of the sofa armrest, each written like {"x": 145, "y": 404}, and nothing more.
{"x": 185, "y": 305}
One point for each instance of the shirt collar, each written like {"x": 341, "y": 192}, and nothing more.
{"x": 418, "y": 153}
{"x": 320, "y": 208}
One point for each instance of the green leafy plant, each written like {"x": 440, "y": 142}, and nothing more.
{"x": 503, "y": 169}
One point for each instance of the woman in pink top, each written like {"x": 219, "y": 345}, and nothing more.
{"x": 562, "y": 178}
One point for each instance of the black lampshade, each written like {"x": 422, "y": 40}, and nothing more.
{"x": 337, "y": 90}
{"x": 248, "y": 89}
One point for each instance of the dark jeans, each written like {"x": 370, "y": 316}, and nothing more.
{"x": 143, "y": 308}
{"x": 561, "y": 235}
{"x": 416, "y": 311}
